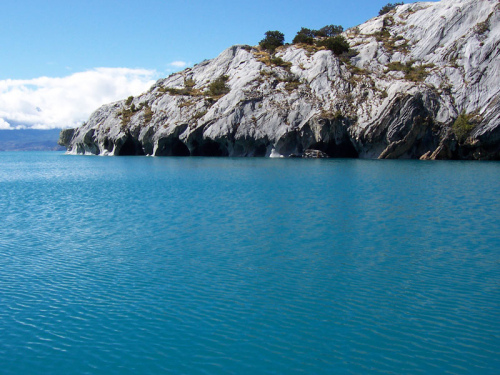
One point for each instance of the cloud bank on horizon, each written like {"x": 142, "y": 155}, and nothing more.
{"x": 51, "y": 103}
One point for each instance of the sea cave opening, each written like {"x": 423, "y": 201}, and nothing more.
{"x": 130, "y": 148}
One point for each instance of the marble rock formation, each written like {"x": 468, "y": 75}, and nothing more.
{"x": 422, "y": 81}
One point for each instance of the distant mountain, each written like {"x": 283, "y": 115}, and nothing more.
{"x": 421, "y": 81}
{"x": 29, "y": 140}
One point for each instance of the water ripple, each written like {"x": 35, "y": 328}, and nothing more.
{"x": 211, "y": 266}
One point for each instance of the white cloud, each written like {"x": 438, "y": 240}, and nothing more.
{"x": 46, "y": 103}
{"x": 179, "y": 64}
{"x": 4, "y": 125}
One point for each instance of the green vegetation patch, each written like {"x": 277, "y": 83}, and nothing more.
{"x": 463, "y": 126}
{"x": 327, "y": 37}
{"x": 148, "y": 114}
{"x": 292, "y": 82}
{"x": 337, "y": 44}
{"x": 218, "y": 87}
{"x": 272, "y": 40}
{"x": 270, "y": 60}
{"x": 187, "y": 90}
{"x": 308, "y": 36}
{"x": 303, "y": 37}
{"x": 388, "y": 7}
{"x": 126, "y": 113}
{"x": 389, "y": 42}
{"x": 482, "y": 27}
{"x": 278, "y": 61}
{"x": 412, "y": 73}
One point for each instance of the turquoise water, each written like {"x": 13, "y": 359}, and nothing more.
{"x": 137, "y": 265}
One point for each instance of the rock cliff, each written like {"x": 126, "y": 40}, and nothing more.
{"x": 422, "y": 81}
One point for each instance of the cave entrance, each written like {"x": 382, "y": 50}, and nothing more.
{"x": 208, "y": 147}
{"x": 180, "y": 149}
{"x": 260, "y": 150}
{"x": 172, "y": 147}
{"x": 342, "y": 150}
{"x": 129, "y": 148}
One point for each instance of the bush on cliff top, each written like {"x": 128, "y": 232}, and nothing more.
{"x": 388, "y": 7}
{"x": 273, "y": 40}
{"x": 329, "y": 31}
{"x": 307, "y": 36}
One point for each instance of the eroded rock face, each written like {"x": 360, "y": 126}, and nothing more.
{"x": 416, "y": 70}
{"x": 66, "y": 136}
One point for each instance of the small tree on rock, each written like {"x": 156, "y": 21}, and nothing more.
{"x": 218, "y": 87}
{"x": 329, "y": 31}
{"x": 463, "y": 126}
{"x": 337, "y": 44}
{"x": 305, "y": 36}
{"x": 388, "y": 7}
{"x": 273, "y": 40}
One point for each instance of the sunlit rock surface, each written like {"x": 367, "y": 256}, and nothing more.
{"x": 416, "y": 70}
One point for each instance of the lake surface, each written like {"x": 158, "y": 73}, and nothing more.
{"x": 137, "y": 265}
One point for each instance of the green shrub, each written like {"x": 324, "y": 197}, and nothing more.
{"x": 273, "y": 40}
{"x": 188, "y": 89}
{"x": 462, "y": 126}
{"x": 278, "y": 61}
{"x": 301, "y": 38}
{"x": 129, "y": 100}
{"x": 382, "y": 36}
{"x": 481, "y": 28}
{"x": 292, "y": 82}
{"x": 412, "y": 73}
{"x": 148, "y": 114}
{"x": 125, "y": 116}
{"x": 337, "y": 44}
{"x": 218, "y": 87}
{"x": 189, "y": 83}
{"x": 387, "y": 21}
{"x": 346, "y": 57}
{"x": 328, "y": 31}
{"x": 174, "y": 91}
{"x": 419, "y": 73}
{"x": 126, "y": 113}
{"x": 388, "y": 7}
{"x": 305, "y": 36}
{"x": 398, "y": 66}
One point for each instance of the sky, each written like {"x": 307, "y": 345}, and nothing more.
{"x": 61, "y": 60}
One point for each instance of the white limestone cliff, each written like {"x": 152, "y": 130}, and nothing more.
{"x": 416, "y": 70}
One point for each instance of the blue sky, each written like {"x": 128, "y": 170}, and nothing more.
{"x": 150, "y": 38}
